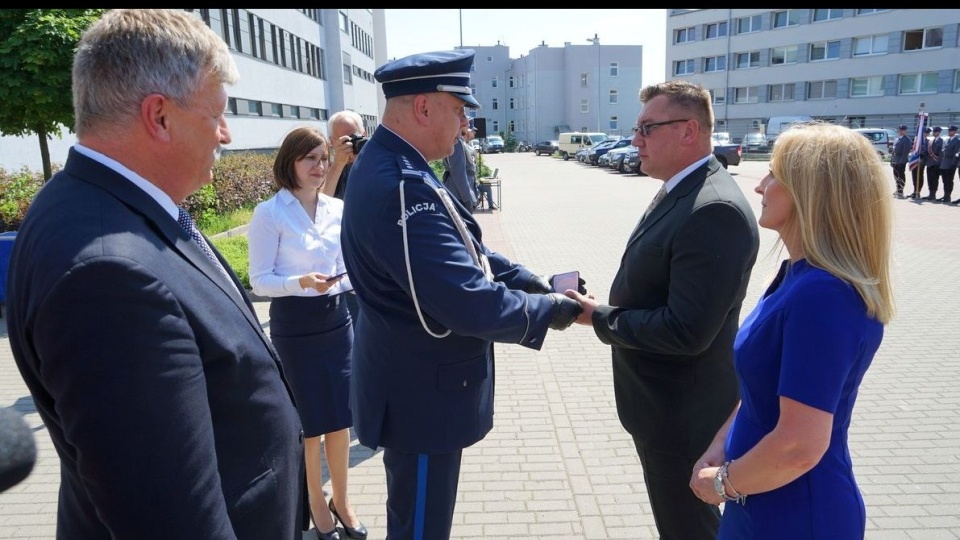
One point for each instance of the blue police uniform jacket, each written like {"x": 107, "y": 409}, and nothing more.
{"x": 411, "y": 391}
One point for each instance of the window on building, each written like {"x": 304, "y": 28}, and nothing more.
{"x": 825, "y": 50}
{"x": 870, "y": 11}
{"x": 956, "y": 81}
{"x": 584, "y": 106}
{"x": 510, "y": 81}
{"x": 495, "y": 126}
{"x": 919, "y": 83}
{"x": 867, "y": 45}
{"x": 826, "y": 14}
{"x": 344, "y": 23}
{"x": 614, "y": 123}
{"x": 715, "y": 30}
{"x": 347, "y": 69}
{"x": 510, "y": 104}
{"x": 746, "y": 94}
{"x": 494, "y": 82}
{"x": 748, "y": 60}
{"x": 718, "y": 95}
{"x": 583, "y": 79}
{"x": 276, "y": 109}
{"x": 614, "y": 69}
{"x": 683, "y": 67}
{"x": 866, "y": 86}
{"x": 714, "y": 63}
{"x": 927, "y": 38}
{"x": 489, "y": 59}
{"x": 781, "y": 92}
{"x": 822, "y": 90}
{"x": 683, "y": 35}
{"x": 473, "y": 88}
{"x": 614, "y": 97}
{"x": 785, "y": 18}
{"x": 783, "y": 55}
{"x": 231, "y": 106}
{"x": 748, "y": 24}
{"x": 254, "y": 108}
{"x": 495, "y": 104}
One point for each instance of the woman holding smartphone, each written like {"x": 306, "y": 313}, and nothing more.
{"x": 295, "y": 258}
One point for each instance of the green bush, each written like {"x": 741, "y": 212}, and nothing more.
{"x": 16, "y": 193}
{"x": 235, "y": 250}
{"x": 240, "y": 180}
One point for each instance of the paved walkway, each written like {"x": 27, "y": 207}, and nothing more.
{"x": 558, "y": 464}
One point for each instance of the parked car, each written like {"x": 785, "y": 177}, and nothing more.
{"x": 631, "y": 162}
{"x": 727, "y": 154}
{"x": 593, "y": 157}
{"x": 546, "y": 147}
{"x": 881, "y": 138}
{"x": 572, "y": 141}
{"x": 493, "y": 144}
{"x": 615, "y": 157}
{"x": 475, "y": 144}
{"x": 722, "y": 137}
{"x": 755, "y": 142}
{"x": 522, "y": 146}
{"x": 582, "y": 153}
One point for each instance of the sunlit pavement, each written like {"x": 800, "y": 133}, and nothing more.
{"x": 558, "y": 464}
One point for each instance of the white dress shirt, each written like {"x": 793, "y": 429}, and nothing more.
{"x": 285, "y": 244}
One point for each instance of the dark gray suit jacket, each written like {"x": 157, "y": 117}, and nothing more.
{"x": 165, "y": 401}
{"x": 674, "y": 312}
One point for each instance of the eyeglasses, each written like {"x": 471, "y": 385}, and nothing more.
{"x": 645, "y": 129}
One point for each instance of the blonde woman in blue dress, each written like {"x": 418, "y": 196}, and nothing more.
{"x": 781, "y": 463}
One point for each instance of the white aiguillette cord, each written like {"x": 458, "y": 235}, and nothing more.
{"x": 479, "y": 258}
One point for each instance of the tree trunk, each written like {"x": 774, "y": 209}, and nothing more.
{"x": 45, "y": 155}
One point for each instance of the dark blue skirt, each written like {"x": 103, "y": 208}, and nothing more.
{"x": 314, "y": 337}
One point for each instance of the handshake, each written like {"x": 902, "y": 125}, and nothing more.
{"x": 565, "y": 310}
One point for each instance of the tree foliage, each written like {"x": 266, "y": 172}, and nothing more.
{"x": 36, "y": 59}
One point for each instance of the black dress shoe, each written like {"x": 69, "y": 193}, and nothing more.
{"x": 359, "y": 532}
{"x": 332, "y": 535}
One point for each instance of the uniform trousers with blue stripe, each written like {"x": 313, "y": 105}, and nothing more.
{"x": 421, "y": 494}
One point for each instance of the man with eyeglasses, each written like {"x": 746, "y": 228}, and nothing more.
{"x": 675, "y": 305}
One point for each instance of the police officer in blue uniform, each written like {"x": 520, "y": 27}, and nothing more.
{"x": 433, "y": 298}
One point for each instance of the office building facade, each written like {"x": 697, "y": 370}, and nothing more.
{"x": 550, "y": 90}
{"x": 297, "y": 67}
{"x": 854, "y": 67}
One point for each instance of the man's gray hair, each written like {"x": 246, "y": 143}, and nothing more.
{"x": 131, "y": 53}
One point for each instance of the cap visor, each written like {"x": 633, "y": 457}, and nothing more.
{"x": 469, "y": 100}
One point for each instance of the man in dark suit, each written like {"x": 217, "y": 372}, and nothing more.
{"x": 163, "y": 397}
{"x": 675, "y": 305}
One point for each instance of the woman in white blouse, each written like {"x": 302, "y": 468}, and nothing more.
{"x": 295, "y": 259}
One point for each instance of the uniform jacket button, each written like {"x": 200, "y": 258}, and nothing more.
{"x": 464, "y": 383}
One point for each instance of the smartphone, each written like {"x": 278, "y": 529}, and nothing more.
{"x": 566, "y": 280}
{"x": 334, "y": 278}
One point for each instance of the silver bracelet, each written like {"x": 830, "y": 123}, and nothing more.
{"x": 722, "y": 480}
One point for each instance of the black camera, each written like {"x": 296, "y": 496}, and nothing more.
{"x": 358, "y": 141}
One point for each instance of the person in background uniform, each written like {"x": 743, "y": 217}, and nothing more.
{"x": 899, "y": 158}
{"x": 933, "y": 164}
{"x": 675, "y": 304}
{"x": 294, "y": 240}
{"x": 948, "y": 163}
{"x": 781, "y": 461}
{"x": 165, "y": 401}
{"x": 347, "y": 136}
{"x": 460, "y": 174}
{"x": 433, "y": 297}
{"x": 917, "y": 171}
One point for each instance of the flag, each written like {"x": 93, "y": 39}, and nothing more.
{"x": 914, "y": 159}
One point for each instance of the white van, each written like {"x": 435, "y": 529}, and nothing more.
{"x": 776, "y": 124}
{"x": 572, "y": 141}
{"x": 881, "y": 138}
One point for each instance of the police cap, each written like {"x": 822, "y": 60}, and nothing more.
{"x": 927, "y": 130}
{"x": 952, "y": 128}
{"x": 902, "y": 126}
{"x": 424, "y": 73}
{"x": 937, "y": 129}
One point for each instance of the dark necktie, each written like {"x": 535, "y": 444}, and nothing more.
{"x": 656, "y": 200}
{"x": 186, "y": 222}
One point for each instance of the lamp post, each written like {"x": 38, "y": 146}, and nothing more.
{"x": 596, "y": 41}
